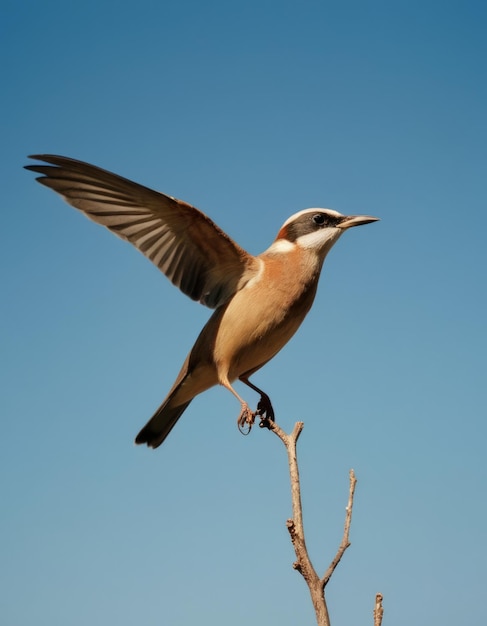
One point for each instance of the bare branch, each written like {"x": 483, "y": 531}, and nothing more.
{"x": 295, "y": 526}
{"x": 378, "y": 610}
{"x": 346, "y": 531}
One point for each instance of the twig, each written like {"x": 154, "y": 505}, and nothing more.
{"x": 379, "y": 610}
{"x": 316, "y": 585}
{"x": 346, "y": 531}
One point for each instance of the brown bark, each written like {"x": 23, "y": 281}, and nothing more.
{"x": 303, "y": 565}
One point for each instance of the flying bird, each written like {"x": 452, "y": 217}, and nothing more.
{"x": 259, "y": 301}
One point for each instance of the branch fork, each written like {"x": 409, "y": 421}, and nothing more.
{"x": 303, "y": 565}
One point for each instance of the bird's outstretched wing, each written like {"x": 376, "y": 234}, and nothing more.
{"x": 190, "y": 249}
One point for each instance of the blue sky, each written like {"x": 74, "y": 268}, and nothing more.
{"x": 250, "y": 111}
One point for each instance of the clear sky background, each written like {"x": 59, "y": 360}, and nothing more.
{"x": 251, "y": 111}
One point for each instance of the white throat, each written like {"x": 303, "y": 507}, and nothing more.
{"x": 320, "y": 240}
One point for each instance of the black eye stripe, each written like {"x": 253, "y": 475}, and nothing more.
{"x": 309, "y": 222}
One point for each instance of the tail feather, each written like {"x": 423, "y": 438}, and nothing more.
{"x": 160, "y": 424}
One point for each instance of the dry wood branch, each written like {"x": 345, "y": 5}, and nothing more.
{"x": 378, "y": 610}
{"x": 346, "y": 531}
{"x": 316, "y": 585}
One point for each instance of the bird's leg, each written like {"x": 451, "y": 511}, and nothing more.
{"x": 264, "y": 407}
{"x": 247, "y": 417}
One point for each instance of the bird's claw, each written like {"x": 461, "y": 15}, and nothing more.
{"x": 265, "y": 412}
{"x": 265, "y": 422}
{"x": 246, "y": 420}
{"x": 247, "y": 417}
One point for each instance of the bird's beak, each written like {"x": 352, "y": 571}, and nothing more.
{"x": 356, "y": 220}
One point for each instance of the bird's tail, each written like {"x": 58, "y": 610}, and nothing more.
{"x": 160, "y": 424}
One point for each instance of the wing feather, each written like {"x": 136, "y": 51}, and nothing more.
{"x": 185, "y": 244}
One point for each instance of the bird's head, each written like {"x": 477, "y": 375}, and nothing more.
{"x": 316, "y": 229}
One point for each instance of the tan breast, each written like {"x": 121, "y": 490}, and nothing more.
{"x": 262, "y": 317}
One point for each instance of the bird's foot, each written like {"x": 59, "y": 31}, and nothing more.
{"x": 246, "y": 419}
{"x": 265, "y": 411}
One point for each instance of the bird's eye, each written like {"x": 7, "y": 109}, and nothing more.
{"x": 319, "y": 219}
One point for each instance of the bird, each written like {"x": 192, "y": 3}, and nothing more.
{"x": 259, "y": 301}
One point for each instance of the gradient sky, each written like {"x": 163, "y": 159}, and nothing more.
{"x": 250, "y": 111}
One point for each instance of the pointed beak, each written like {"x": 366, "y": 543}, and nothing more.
{"x": 356, "y": 220}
